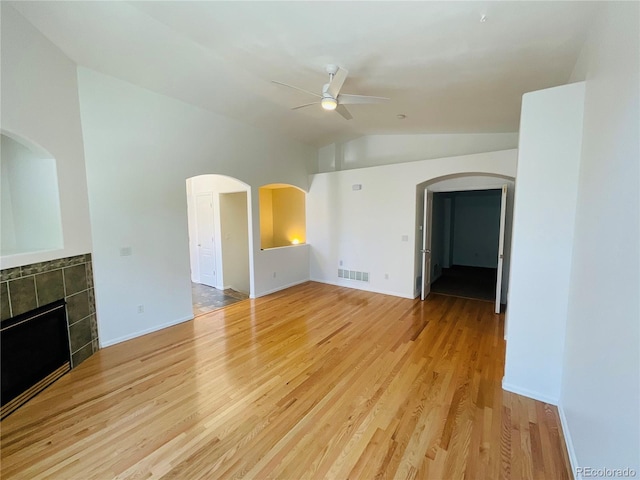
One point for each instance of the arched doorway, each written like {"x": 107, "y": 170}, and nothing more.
{"x": 220, "y": 241}
{"x": 468, "y": 254}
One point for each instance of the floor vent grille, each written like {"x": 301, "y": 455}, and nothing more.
{"x": 353, "y": 275}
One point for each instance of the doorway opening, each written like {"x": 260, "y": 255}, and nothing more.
{"x": 464, "y": 231}
{"x": 220, "y": 241}
{"x": 464, "y": 243}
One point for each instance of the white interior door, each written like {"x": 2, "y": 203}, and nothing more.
{"x": 503, "y": 215}
{"x": 426, "y": 244}
{"x": 205, "y": 238}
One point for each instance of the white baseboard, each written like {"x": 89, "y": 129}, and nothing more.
{"x": 355, "y": 286}
{"x": 155, "y": 328}
{"x": 528, "y": 393}
{"x": 573, "y": 460}
{"x": 277, "y": 289}
{"x": 569, "y": 443}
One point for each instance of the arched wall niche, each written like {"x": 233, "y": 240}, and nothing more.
{"x": 31, "y": 218}
{"x": 282, "y": 216}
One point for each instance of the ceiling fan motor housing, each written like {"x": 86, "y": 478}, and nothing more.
{"x": 331, "y": 69}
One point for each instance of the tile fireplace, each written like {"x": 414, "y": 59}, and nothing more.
{"x": 48, "y": 323}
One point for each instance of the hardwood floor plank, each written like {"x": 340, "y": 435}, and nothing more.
{"x": 316, "y": 381}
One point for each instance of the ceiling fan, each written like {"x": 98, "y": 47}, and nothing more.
{"x": 331, "y": 98}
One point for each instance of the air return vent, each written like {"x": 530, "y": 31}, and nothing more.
{"x": 353, "y": 275}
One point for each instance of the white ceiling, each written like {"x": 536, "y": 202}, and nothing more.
{"x": 442, "y": 67}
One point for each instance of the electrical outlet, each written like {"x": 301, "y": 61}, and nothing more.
{"x": 340, "y": 262}
{"x": 140, "y": 308}
{"x": 386, "y": 276}
{"x": 274, "y": 274}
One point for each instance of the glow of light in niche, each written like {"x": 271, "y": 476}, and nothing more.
{"x": 295, "y": 241}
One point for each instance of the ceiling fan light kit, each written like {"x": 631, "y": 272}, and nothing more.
{"x": 331, "y": 99}
{"x": 328, "y": 103}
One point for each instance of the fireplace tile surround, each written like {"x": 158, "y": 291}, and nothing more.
{"x": 30, "y": 286}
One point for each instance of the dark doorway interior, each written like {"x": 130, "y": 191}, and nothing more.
{"x": 464, "y": 243}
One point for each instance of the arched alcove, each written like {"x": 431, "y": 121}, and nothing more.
{"x": 282, "y": 216}
{"x": 31, "y": 220}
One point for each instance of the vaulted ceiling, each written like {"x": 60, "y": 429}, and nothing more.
{"x": 441, "y": 66}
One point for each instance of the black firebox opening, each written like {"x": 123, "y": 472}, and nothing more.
{"x": 33, "y": 345}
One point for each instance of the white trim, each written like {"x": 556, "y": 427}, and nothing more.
{"x": 529, "y": 393}
{"x": 155, "y": 328}
{"x": 573, "y": 459}
{"x": 277, "y": 289}
{"x": 490, "y": 186}
{"x": 357, "y": 287}
{"x": 284, "y": 246}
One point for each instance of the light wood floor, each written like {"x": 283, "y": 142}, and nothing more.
{"x": 314, "y": 382}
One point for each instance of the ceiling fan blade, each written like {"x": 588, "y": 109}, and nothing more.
{"x": 346, "y": 99}
{"x": 342, "y": 110}
{"x": 337, "y": 81}
{"x": 297, "y": 88}
{"x": 305, "y": 105}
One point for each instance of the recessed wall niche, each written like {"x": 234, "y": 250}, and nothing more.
{"x": 282, "y": 216}
{"x": 30, "y": 202}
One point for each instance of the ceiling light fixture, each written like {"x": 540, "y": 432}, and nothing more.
{"x": 401, "y": 116}
{"x": 483, "y": 18}
{"x": 328, "y": 103}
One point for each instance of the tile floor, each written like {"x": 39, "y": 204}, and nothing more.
{"x": 207, "y": 299}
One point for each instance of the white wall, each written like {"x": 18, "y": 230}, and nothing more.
{"x": 234, "y": 225}
{"x": 543, "y": 220}
{"x": 375, "y": 150}
{"x": 140, "y": 147}
{"x": 283, "y": 267}
{"x": 216, "y": 185}
{"x": 7, "y": 227}
{"x": 40, "y": 105}
{"x": 600, "y": 396}
{"x": 364, "y": 228}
